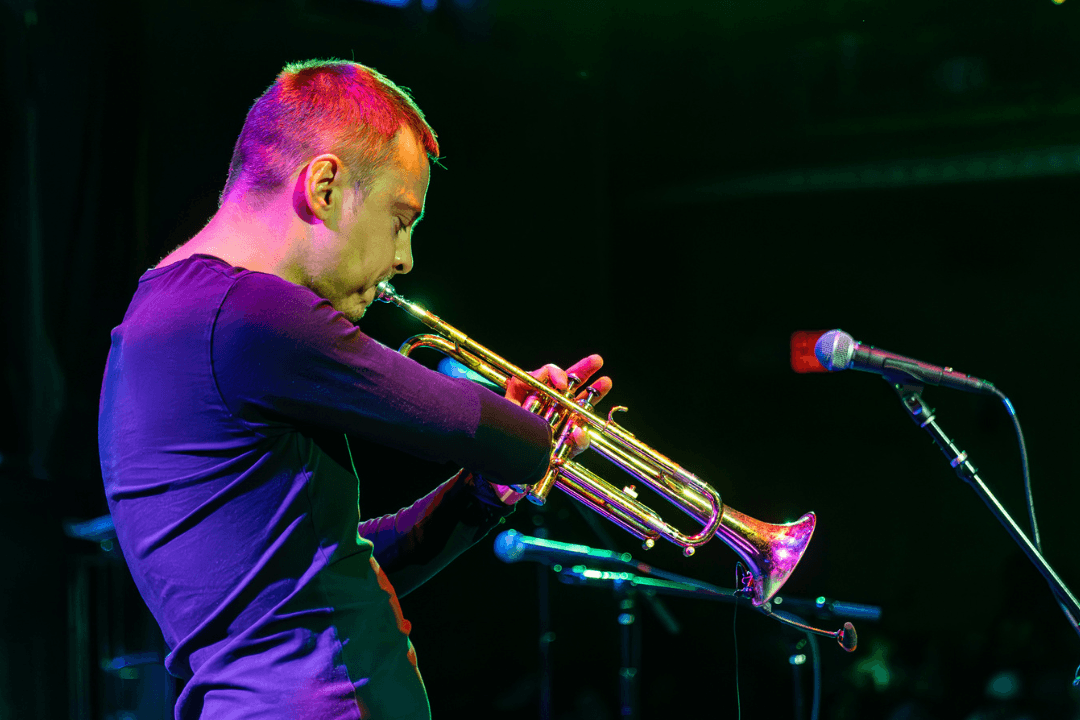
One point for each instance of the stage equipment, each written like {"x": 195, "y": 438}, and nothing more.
{"x": 770, "y": 551}
{"x": 910, "y": 395}
{"x": 645, "y": 581}
{"x": 511, "y": 546}
{"x": 836, "y": 350}
{"x": 115, "y": 652}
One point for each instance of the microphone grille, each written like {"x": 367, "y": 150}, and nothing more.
{"x": 507, "y": 547}
{"x": 849, "y": 639}
{"x": 835, "y": 349}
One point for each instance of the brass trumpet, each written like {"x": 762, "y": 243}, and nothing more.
{"x": 770, "y": 551}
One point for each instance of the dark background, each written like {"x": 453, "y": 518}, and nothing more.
{"x": 676, "y": 185}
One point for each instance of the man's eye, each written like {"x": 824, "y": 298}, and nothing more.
{"x": 399, "y": 224}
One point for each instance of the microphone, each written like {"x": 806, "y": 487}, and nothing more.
{"x": 836, "y": 350}
{"x": 452, "y": 368}
{"x": 846, "y": 636}
{"x": 511, "y": 546}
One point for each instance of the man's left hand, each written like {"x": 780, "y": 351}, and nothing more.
{"x": 552, "y": 375}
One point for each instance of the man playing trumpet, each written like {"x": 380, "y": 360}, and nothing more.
{"x": 232, "y": 387}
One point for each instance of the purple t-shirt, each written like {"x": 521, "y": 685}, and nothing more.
{"x": 224, "y": 392}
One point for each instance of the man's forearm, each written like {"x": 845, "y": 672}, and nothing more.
{"x": 418, "y": 541}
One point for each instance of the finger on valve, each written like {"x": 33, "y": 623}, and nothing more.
{"x": 596, "y": 392}
{"x": 579, "y": 441}
{"x": 552, "y": 375}
{"x": 585, "y": 368}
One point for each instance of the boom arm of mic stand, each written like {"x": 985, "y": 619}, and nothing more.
{"x": 910, "y": 395}
{"x": 512, "y": 546}
{"x": 825, "y": 608}
{"x": 660, "y": 610}
{"x": 689, "y": 587}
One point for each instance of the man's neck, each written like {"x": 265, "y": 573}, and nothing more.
{"x": 261, "y": 240}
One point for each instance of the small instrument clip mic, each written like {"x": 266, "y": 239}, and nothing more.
{"x": 846, "y": 636}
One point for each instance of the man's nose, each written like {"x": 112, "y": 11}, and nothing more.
{"x": 403, "y": 260}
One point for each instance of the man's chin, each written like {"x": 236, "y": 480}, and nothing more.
{"x": 356, "y": 313}
{"x": 353, "y": 308}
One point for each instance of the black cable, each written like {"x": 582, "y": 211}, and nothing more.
{"x": 815, "y": 658}
{"x": 1036, "y": 540}
{"x": 735, "y": 640}
{"x": 815, "y": 654}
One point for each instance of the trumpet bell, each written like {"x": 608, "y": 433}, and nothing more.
{"x": 770, "y": 551}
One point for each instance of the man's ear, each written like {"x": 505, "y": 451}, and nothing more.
{"x": 321, "y": 183}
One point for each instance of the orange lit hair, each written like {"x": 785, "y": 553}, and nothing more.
{"x": 320, "y": 106}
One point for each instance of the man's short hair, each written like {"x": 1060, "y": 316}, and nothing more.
{"x": 319, "y": 106}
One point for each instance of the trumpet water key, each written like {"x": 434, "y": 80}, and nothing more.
{"x": 770, "y": 551}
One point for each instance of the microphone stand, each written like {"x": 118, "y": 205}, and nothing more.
{"x": 627, "y": 585}
{"x": 909, "y": 391}
{"x": 656, "y": 605}
{"x": 512, "y": 546}
{"x": 546, "y": 635}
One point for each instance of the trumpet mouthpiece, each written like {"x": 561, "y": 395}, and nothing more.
{"x": 386, "y": 293}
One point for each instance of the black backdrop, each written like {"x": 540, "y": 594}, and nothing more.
{"x": 611, "y": 186}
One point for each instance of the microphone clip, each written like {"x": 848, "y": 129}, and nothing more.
{"x": 744, "y": 582}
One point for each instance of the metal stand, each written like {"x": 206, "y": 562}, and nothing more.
{"x": 628, "y": 586}
{"x": 909, "y": 393}
{"x": 797, "y": 659}
{"x": 627, "y": 618}
{"x": 511, "y": 546}
{"x": 546, "y": 636}
{"x": 630, "y": 642}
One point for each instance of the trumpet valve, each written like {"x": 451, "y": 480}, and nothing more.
{"x": 539, "y": 491}
{"x": 532, "y": 404}
{"x": 572, "y": 381}
{"x": 631, "y": 491}
{"x": 587, "y": 401}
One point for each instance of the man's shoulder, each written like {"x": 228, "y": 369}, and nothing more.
{"x": 246, "y": 309}
{"x": 194, "y": 273}
{"x": 261, "y": 308}
{"x": 263, "y": 295}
